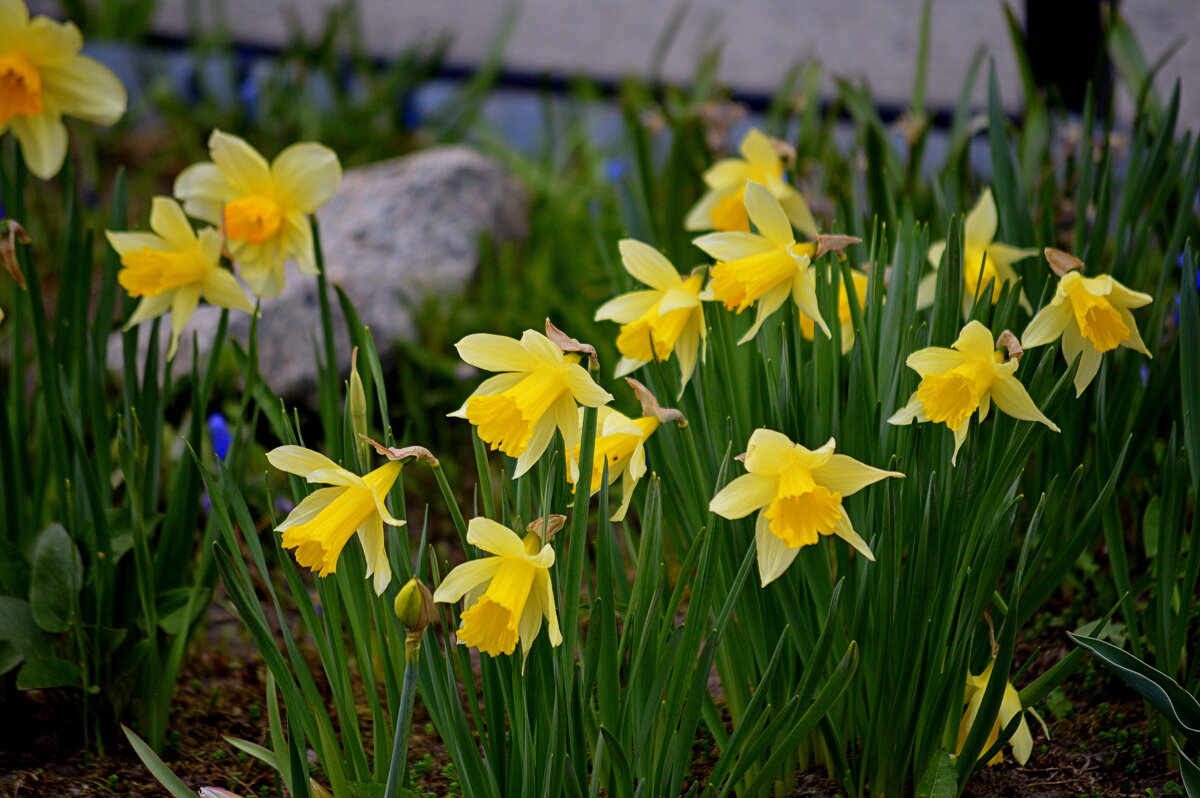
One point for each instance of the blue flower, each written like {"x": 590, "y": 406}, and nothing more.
{"x": 222, "y": 438}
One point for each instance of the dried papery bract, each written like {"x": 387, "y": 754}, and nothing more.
{"x": 1062, "y": 262}
{"x": 568, "y": 344}
{"x": 553, "y": 523}
{"x": 402, "y": 453}
{"x": 12, "y": 233}
{"x": 651, "y": 407}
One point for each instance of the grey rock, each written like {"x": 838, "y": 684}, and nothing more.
{"x": 396, "y": 233}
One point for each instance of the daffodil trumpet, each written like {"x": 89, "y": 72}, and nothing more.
{"x": 319, "y": 527}
{"x": 1090, "y": 314}
{"x": 508, "y": 594}
{"x": 798, "y": 494}
{"x": 966, "y": 378}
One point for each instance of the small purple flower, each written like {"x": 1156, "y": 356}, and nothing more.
{"x": 615, "y": 169}
{"x": 222, "y": 438}
{"x": 1144, "y": 373}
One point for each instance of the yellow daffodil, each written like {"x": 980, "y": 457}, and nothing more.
{"x": 620, "y": 442}
{"x": 860, "y": 290}
{"x": 666, "y": 318}
{"x": 43, "y": 78}
{"x": 320, "y": 525}
{"x": 984, "y": 258}
{"x": 508, "y": 594}
{"x": 798, "y": 493}
{"x": 517, "y": 410}
{"x": 721, "y": 207}
{"x": 956, "y": 382}
{"x": 1010, "y": 707}
{"x": 1092, "y": 316}
{"x": 263, "y": 208}
{"x": 767, "y": 267}
{"x": 172, "y": 267}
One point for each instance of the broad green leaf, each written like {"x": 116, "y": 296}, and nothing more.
{"x": 940, "y": 779}
{"x": 1189, "y": 771}
{"x": 10, "y": 656}
{"x": 1176, "y": 705}
{"x": 173, "y": 615}
{"x": 55, "y": 580}
{"x": 46, "y": 672}
{"x": 17, "y": 626}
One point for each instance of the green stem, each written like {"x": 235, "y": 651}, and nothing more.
{"x": 399, "y": 764}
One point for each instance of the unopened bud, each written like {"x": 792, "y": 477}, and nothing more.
{"x": 356, "y": 401}
{"x": 317, "y": 790}
{"x": 414, "y": 608}
{"x": 10, "y": 233}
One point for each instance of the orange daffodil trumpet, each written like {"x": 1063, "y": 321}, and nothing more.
{"x": 984, "y": 258}
{"x": 321, "y": 525}
{"x": 721, "y": 207}
{"x": 43, "y": 77}
{"x": 539, "y": 387}
{"x": 1010, "y": 707}
{"x": 798, "y": 493}
{"x": 263, "y": 208}
{"x": 1091, "y": 314}
{"x": 969, "y": 376}
{"x": 507, "y": 595}
{"x": 172, "y": 267}
{"x": 764, "y": 268}
{"x": 663, "y": 319}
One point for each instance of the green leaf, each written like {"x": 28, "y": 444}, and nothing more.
{"x": 46, "y": 672}
{"x": 10, "y": 656}
{"x": 1175, "y": 704}
{"x": 14, "y": 576}
{"x": 55, "y": 580}
{"x": 17, "y": 626}
{"x": 940, "y": 779}
{"x": 255, "y": 750}
{"x": 157, "y": 767}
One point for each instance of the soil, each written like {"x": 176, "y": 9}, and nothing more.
{"x": 1100, "y": 745}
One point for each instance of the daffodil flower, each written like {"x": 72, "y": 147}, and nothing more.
{"x": 984, "y": 258}
{"x": 968, "y": 377}
{"x": 620, "y": 442}
{"x": 1010, "y": 707}
{"x": 172, "y": 267}
{"x": 321, "y": 525}
{"x": 43, "y": 78}
{"x": 517, "y": 410}
{"x": 807, "y": 329}
{"x": 721, "y": 207}
{"x": 665, "y": 318}
{"x": 1092, "y": 316}
{"x": 764, "y": 268}
{"x": 798, "y": 493}
{"x": 507, "y": 595}
{"x": 262, "y": 207}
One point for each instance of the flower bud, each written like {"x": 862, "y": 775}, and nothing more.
{"x": 414, "y": 608}
{"x": 356, "y": 401}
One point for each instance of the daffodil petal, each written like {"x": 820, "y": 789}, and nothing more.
{"x": 85, "y": 88}
{"x": 495, "y": 353}
{"x": 465, "y": 577}
{"x": 844, "y": 529}
{"x": 183, "y": 306}
{"x": 744, "y": 495}
{"x": 678, "y": 298}
{"x": 1047, "y": 325}
{"x": 773, "y": 555}
{"x": 913, "y": 411}
{"x": 735, "y": 245}
{"x": 847, "y": 476}
{"x": 545, "y": 595}
{"x": 804, "y": 294}
{"x": 221, "y": 288}
{"x": 243, "y": 168}
{"x": 628, "y": 365}
{"x": 726, "y": 175}
{"x": 627, "y": 308}
{"x": 700, "y": 217}
{"x": 648, "y": 265}
{"x": 134, "y": 242}
{"x": 979, "y": 228}
{"x": 310, "y": 507}
{"x": 768, "y": 452}
{"x": 1134, "y": 341}
{"x": 43, "y": 140}
{"x": 202, "y": 190}
{"x": 371, "y": 538}
{"x": 299, "y": 461}
{"x": 767, "y": 214}
{"x": 542, "y": 348}
{"x": 934, "y": 360}
{"x": 492, "y": 385}
{"x": 584, "y": 388}
{"x": 49, "y": 43}
{"x": 169, "y": 221}
{"x": 297, "y": 242}
{"x": 767, "y": 304}
{"x": 936, "y": 250}
{"x": 151, "y": 307}
{"x": 306, "y": 175}
{"x": 798, "y": 212}
{"x": 976, "y": 340}
{"x": 543, "y": 432}
{"x": 1011, "y": 397}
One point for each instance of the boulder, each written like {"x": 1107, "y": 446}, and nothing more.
{"x": 396, "y": 233}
